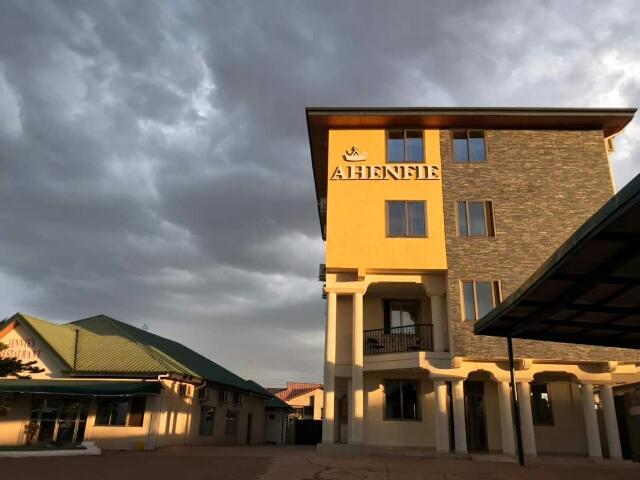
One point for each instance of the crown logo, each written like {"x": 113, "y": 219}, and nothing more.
{"x": 354, "y": 155}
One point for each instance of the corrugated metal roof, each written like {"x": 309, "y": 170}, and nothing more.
{"x": 108, "y": 346}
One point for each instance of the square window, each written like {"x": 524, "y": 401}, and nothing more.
{"x": 406, "y": 219}
{"x": 479, "y": 298}
{"x": 401, "y": 399}
{"x": 405, "y": 146}
{"x": 475, "y": 219}
{"x": 468, "y": 146}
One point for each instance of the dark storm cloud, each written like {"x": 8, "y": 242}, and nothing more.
{"x": 154, "y": 162}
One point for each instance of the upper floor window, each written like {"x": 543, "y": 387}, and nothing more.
{"x": 479, "y": 298}
{"x": 401, "y": 400}
{"x": 475, "y": 219}
{"x": 469, "y": 146}
{"x": 406, "y": 219}
{"x": 541, "y": 404}
{"x": 405, "y": 146}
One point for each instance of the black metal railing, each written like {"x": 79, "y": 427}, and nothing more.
{"x": 410, "y": 338}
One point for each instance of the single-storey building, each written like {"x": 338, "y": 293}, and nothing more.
{"x": 123, "y": 388}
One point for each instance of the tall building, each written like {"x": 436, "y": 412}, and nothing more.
{"x": 431, "y": 216}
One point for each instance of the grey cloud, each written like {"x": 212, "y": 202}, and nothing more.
{"x": 154, "y": 163}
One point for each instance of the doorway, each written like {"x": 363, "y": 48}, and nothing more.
{"x": 475, "y": 414}
{"x": 59, "y": 419}
{"x": 249, "y": 425}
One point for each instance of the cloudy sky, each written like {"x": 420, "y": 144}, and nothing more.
{"x": 154, "y": 163}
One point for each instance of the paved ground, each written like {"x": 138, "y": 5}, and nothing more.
{"x": 296, "y": 463}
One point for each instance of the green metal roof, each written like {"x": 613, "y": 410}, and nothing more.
{"x": 80, "y": 387}
{"x": 102, "y": 345}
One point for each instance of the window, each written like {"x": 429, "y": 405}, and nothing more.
{"x": 203, "y": 394}
{"x": 237, "y": 398}
{"x": 401, "y": 313}
{"x": 541, "y": 404}
{"x": 183, "y": 390}
{"x": 406, "y": 219}
{"x": 115, "y": 412}
{"x": 479, "y": 298}
{"x": 136, "y": 413}
{"x": 401, "y": 399}
{"x": 475, "y": 219}
{"x": 231, "y": 423}
{"x": 223, "y": 397}
{"x": 469, "y": 146}
{"x": 207, "y": 420}
{"x": 405, "y": 146}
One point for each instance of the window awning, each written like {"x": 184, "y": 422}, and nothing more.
{"x": 588, "y": 291}
{"x": 79, "y": 387}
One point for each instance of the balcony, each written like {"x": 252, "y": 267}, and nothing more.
{"x": 410, "y": 338}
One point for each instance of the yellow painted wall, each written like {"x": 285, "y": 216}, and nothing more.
{"x": 568, "y": 433}
{"x": 356, "y": 217}
{"x": 400, "y": 433}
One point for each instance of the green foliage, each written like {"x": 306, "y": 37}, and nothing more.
{"x": 12, "y": 367}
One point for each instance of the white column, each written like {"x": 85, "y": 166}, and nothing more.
{"x": 506, "y": 419}
{"x": 442, "y": 420}
{"x": 438, "y": 319}
{"x": 328, "y": 423}
{"x": 610, "y": 422}
{"x": 356, "y": 424}
{"x": 590, "y": 421}
{"x": 459, "y": 426}
{"x": 526, "y": 419}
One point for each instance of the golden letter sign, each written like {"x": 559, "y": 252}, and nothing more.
{"x": 382, "y": 172}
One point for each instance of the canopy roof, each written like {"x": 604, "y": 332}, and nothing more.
{"x": 102, "y": 345}
{"x": 588, "y": 291}
{"x": 321, "y": 119}
{"x": 80, "y": 387}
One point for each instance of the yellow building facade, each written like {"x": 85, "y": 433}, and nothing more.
{"x": 429, "y": 218}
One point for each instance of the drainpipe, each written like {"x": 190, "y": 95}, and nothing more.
{"x": 159, "y": 412}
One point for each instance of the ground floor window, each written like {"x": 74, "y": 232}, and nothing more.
{"x": 231, "y": 423}
{"x": 129, "y": 412}
{"x": 541, "y": 409}
{"x": 401, "y": 400}
{"x": 207, "y": 420}
{"x": 61, "y": 419}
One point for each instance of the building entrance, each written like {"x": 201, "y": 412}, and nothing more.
{"x": 475, "y": 416}
{"x": 59, "y": 419}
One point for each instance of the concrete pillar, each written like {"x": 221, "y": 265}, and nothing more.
{"x": 459, "y": 426}
{"x": 610, "y": 422}
{"x": 438, "y": 320}
{"x": 506, "y": 418}
{"x": 526, "y": 419}
{"x": 442, "y": 419}
{"x": 590, "y": 421}
{"x": 328, "y": 423}
{"x": 356, "y": 423}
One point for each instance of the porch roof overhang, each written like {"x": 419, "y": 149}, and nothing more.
{"x": 588, "y": 291}
{"x": 97, "y": 388}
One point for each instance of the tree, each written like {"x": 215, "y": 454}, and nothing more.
{"x": 12, "y": 367}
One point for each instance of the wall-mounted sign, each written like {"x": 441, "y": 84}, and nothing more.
{"x": 355, "y": 155}
{"x": 22, "y": 349}
{"x": 386, "y": 172}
